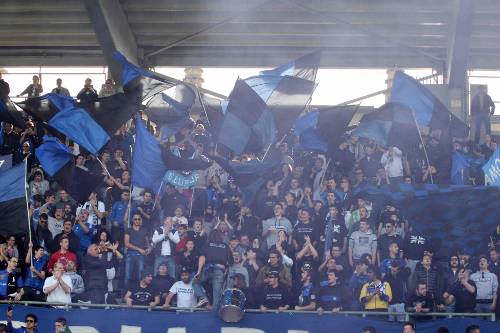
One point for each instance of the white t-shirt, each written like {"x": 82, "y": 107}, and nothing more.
{"x": 185, "y": 294}
{"x": 58, "y": 294}
{"x": 93, "y": 219}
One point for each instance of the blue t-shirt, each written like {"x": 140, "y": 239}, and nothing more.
{"x": 32, "y": 280}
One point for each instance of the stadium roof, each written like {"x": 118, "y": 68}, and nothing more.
{"x": 353, "y": 33}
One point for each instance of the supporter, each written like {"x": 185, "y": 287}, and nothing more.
{"x": 393, "y": 163}
{"x": 184, "y": 291}
{"x": 248, "y": 224}
{"x": 59, "y": 89}
{"x": 482, "y": 107}
{"x": 487, "y": 286}
{"x": 74, "y": 240}
{"x": 35, "y": 275}
{"x": 61, "y": 325}
{"x": 383, "y": 242}
{"x": 409, "y": 327}
{"x": 461, "y": 295}
{"x": 414, "y": 245}
{"x": 62, "y": 255}
{"x": 362, "y": 242}
{"x": 393, "y": 257}
{"x": 237, "y": 268}
{"x": 198, "y": 235}
{"x": 119, "y": 215}
{"x": 271, "y": 226}
{"x": 137, "y": 245}
{"x": 179, "y": 218}
{"x": 11, "y": 282}
{"x": 450, "y": 276}
{"x": 143, "y": 293}
{"x": 370, "y": 163}
{"x": 171, "y": 200}
{"x": 84, "y": 230}
{"x": 38, "y": 186}
{"x": 43, "y": 236}
{"x": 274, "y": 296}
{"x": 358, "y": 279}
{"x": 111, "y": 254}
{"x": 55, "y": 224}
{"x": 305, "y": 230}
{"x": 239, "y": 283}
{"x": 397, "y": 277}
{"x": 88, "y": 94}
{"x": 95, "y": 264}
{"x": 162, "y": 282}
{"x": 428, "y": 273}
{"x": 146, "y": 208}
{"x": 285, "y": 249}
{"x": 58, "y": 286}
{"x": 275, "y": 265}
{"x": 267, "y": 200}
{"x": 189, "y": 257}
{"x": 331, "y": 296}
{"x": 108, "y": 89}
{"x": 95, "y": 208}
{"x": 253, "y": 265}
{"x": 34, "y": 89}
{"x": 12, "y": 251}
{"x": 305, "y": 294}
{"x": 420, "y": 302}
{"x": 31, "y": 321}
{"x": 78, "y": 286}
{"x": 164, "y": 240}
{"x": 335, "y": 231}
{"x": 376, "y": 294}
{"x": 214, "y": 260}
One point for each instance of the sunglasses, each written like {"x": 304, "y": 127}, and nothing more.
{"x": 29, "y": 321}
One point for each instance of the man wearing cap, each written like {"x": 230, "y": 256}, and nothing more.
{"x": 487, "y": 286}
{"x": 274, "y": 296}
{"x": 184, "y": 290}
{"x": 164, "y": 240}
{"x": 144, "y": 293}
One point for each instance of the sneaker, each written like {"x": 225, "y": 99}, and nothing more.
{"x": 202, "y": 303}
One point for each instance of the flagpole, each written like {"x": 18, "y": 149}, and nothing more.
{"x": 26, "y": 194}
{"x": 423, "y": 145}
{"x": 130, "y": 189}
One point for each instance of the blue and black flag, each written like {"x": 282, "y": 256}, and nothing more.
{"x": 392, "y": 124}
{"x": 89, "y": 125}
{"x": 305, "y": 67}
{"x": 13, "y": 213}
{"x": 251, "y": 175}
{"x": 170, "y": 114}
{"x": 248, "y": 125}
{"x": 53, "y": 155}
{"x": 140, "y": 84}
{"x": 324, "y": 127}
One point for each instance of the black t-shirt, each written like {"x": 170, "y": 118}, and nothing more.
{"x": 272, "y": 298}
{"x": 302, "y": 229}
{"x": 14, "y": 280}
{"x": 291, "y": 213}
{"x": 265, "y": 206}
{"x": 162, "y": 284}
{"x": 305, "y": 295}
{"x": 137, "y": 237}
{"x": 198, "y": 240}
{"x": 465, "y": 302}
{"x": 143, "y": 296}
{"x": 426, "y": 301}
{"x": 415, "y": 244}
{"x": 331, "y": 297}
{"x": 383, "y": 244}
{"x": 339, "y": 231}
{"x": 217, "y": 253}
{"x": 189, "y": 261}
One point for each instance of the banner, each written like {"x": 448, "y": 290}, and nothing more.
{"x": 142, "y": 321}
{"x": 492, "y": 169}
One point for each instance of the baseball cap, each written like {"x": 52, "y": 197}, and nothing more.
{"x": 273, "y": 274}
{"x": 184, "y": 270}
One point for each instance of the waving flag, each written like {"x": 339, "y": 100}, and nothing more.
{"x": 305, "y": 67}
{"x": 390, "y": 125}
{"x": 492, "y": 169}
{"x": 53, "y": 155}
{"x": 13, "y": 214}
{"x": 323, "y": 127}
{"x": 91, "y": 126}
{"x": 143, "y": 82}
{"x": 460, "y": 168}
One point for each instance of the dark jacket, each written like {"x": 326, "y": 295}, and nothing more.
{"x": 432, "y": 278}
{"x": 95, "y": 272}
{"x": 488, "y": 106}
{"x": 4, "y": 91}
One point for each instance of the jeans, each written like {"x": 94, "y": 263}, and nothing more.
{"x": 478, "y": 122}
{"x": 171, "y": 265}
{"x": 133, "y": 262}
{"x": 483, "y": 308}
{"x": 216, "y": 276}
{"x": 396, "y": 308}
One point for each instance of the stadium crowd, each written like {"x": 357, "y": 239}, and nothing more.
{"x": 310, "y": 241}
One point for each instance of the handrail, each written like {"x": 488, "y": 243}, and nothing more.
{"x": 67, "y": 306}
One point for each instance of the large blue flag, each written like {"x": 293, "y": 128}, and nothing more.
{"x": 148, "y": 168}
{"x": 305, "y": 67}
{"x": 460, "y": 168}
{"x": 53, "y": 155}
{"x": 492, "y": 169}
{"x": 305, "y": 129}
{"x": 89, "y": 125}
{"x": 13, "y": 210}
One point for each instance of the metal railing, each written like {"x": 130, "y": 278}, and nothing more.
{"x": 363, "y": 314}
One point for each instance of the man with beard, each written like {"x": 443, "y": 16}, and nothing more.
{"x": 144, "y": 293}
